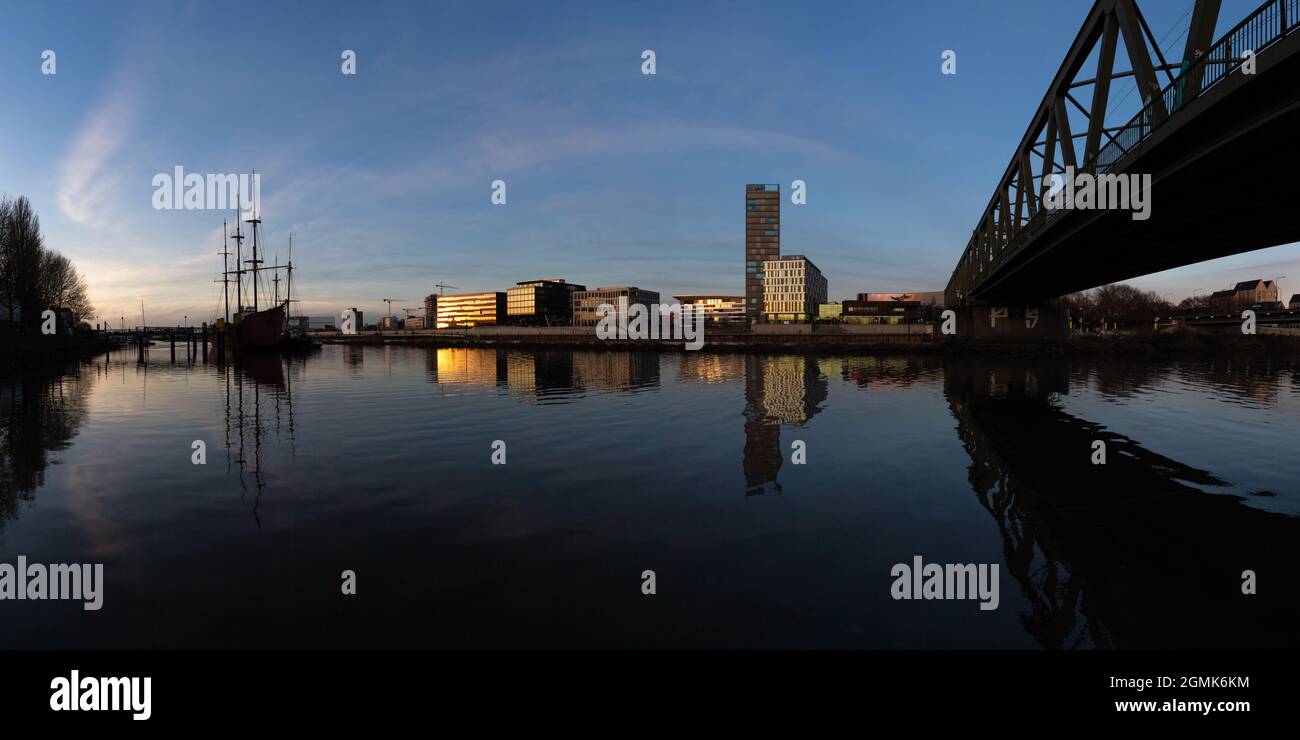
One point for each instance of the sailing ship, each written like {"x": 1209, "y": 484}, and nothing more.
{"x": 252, "y": 326}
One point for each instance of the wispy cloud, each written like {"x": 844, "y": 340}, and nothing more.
{"x": 87, "y": 181}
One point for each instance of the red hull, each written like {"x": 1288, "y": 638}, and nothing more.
{"x": 261, "y": 329}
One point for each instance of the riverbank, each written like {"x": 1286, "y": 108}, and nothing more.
{"x": 15, "y": 347}
{"x": 921, "y": 342}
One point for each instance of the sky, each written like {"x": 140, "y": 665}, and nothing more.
{"x": 612, "y": 177}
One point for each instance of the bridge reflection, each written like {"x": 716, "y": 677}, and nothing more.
{"x": 1133, "y": 553}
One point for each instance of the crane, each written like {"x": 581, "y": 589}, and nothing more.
{"x": 409, "y": 309}
{"x": 389, "y": 301}
{"x": 441, "y": 286}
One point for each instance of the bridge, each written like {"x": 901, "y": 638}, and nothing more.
{"x": 1218, "y": 131}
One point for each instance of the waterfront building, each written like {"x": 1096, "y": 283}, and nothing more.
{"x": 792, "y": 289}
{"x": 717, "y": 309}
{"x": 389, "y": 323}
{"x": 762, "y": 242}
{"x": 829, "y": 311}
{"x": 546, "y": 302}
{"x": 586, "y": 303}
{"x": 430, "y": 310}
{"x": 414, "y": 322}
{"x": 887, "y": 308}
{"x": 471, "y": 309}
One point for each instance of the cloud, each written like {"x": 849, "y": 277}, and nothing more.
{"x": 87, "y": 183}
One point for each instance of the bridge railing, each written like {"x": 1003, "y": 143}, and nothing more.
{"x": 1270, "y": 23}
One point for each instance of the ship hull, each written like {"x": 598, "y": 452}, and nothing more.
{"x": 261, "y": 329}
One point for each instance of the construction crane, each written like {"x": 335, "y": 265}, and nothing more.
{"x": 409, "y": 309}
{"x": 442, "y": 286}
{"x": 389, "y": 301}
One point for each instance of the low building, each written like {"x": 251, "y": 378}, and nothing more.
{"x": 586, "y": 303}
{"x": 887, "y": 308}
{"x": 545, "y": 302}
{"x": 390, "y": 323}
{"x": 793, "y": 287}
{"x": 471, "y": 309}
{"x": 829, "y": 311}
{"x": 718, "y": 309}
{"x": 413, "y": 322}
{"x": 1294, "y": 305}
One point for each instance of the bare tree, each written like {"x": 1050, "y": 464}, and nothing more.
{"x": 21, "y": 255}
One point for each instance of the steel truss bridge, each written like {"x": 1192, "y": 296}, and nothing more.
{"x": 1222, "y": 147}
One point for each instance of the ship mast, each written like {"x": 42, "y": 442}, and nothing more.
{"x": 255, "y": 221}
{"x": 225, "y": 269}
{"x": 239, "y": 255}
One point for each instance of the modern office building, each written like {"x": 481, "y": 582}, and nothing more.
{"x": 586, "y": 303}
{"x": 793, "y": 287}
{"x": 430, "y": 310}
{"x": 891, "y": 308}
{"x": 471, "y": 309}
{"x": 718, "y": 309}
{"x": 546, "y": 302}
{"x": 413, "y": 322}
{"x": 762, "y": 242}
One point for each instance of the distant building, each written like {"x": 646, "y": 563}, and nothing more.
{"x": 390, "y": 323}
{"x": 586, "y": 303}
{"x": 1295, "y": 302}
{"x": 322, "y": 323}
{"x": 762, "y": 242}
{"x": 882, "y": 312}
{"x": 413, "y": 322}
{"x": 925, "y": 298}
{"x": 430, "y": 309}
{"x": 1244, "y": 295}
{"x": 792, "y": 289}
{"x": 545, "y": 302}
{"x": 717, "y": 309}
{"x": 829, "y": 311}
{"x": 471, "y": 309}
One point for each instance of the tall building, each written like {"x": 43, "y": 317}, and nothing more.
{"x": 792, "y": 289}
{"x": 546, "y": 302}
{"x": 471, "y": 309}
{"x": 762, "y": 242}
{"x": 586, "y": 303}
{"x": 717, "y": 309}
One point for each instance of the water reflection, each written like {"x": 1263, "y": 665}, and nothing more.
{"x": 778, "y": 390}
{"x": 42, "y": 405}
{"x": 1138, "y": 552}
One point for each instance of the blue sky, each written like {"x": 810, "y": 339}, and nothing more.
{"x": 612, "y": 177}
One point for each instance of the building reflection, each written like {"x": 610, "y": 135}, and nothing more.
{"x": 1073, "y": 531}
{"x": 530, "y": 375}
{"x": 778, "y": 390}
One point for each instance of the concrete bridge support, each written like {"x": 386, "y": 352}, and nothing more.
{"x": 1012, "y": 322}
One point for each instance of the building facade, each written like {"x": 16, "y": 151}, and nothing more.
{"x": 1244, "y": 295}
{"x": 717, "y": 309}
{"x": 471, "y": 309}
{"x": 430, "y": 310}
{"x": 586, "y": 303}
{"x": 546, "y": 302}
{"x": 792, "y": 289}
{"x": 762, "y": 242}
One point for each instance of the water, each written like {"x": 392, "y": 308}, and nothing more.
{"x": 378, "y": 460}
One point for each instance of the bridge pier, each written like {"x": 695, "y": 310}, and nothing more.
{"x": 1011, "y": 322}
{"x": 204, "y": 339}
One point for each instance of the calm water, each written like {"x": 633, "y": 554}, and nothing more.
{"x": 378, "y": 460}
